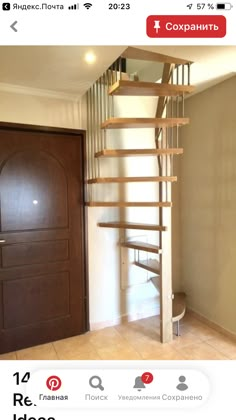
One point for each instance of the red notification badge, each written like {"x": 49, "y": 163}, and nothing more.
{"x": 147, "y": 377}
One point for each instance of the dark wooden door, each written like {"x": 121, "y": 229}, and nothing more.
{"x": 42, "y": 265}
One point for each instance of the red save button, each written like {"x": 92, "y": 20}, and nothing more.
{"x": 186, "y": 26}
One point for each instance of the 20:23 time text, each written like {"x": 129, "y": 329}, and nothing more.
{"x": 119, "y": 6}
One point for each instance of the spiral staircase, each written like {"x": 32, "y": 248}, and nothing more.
{"x": 170, "y": 92}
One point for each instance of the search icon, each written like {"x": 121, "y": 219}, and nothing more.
{"x": 96, "y": 382}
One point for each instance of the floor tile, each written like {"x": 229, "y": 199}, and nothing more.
{"x": 8, "y": 356}
{"x": 106, "y": 337}
{"x": 169, "y": 354}
{"x": 185, "y": 339}
{"x": 132, "y": 330}
{"x": 144, "y": 347}
{"x": 224, "y": 345}
{"x": 151, "y": 322}
{"x": 134, "y": 341}
{"x": 117, "y": 353}
{"x": 202, "y": 351}
{"x": 71, "y": 348}
{"x": 42, "y": 352}
{"x": 203, "y": 331}
{"x": 91, "y": 355}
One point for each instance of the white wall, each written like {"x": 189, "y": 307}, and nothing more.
{"x": 208, "y": 204}
{"x": 113, "y": 292}
{"x": 117, "y": 287}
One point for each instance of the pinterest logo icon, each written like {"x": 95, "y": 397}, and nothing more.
{"x": 53, "y": 383}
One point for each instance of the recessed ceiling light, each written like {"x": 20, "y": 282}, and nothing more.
{"x": 90, "y": 57}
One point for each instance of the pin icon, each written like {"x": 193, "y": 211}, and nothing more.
{"x": 157, "y": 25}
{"x": 53, "y": 383}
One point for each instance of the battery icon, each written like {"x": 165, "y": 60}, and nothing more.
{"x": 224, "y": 6}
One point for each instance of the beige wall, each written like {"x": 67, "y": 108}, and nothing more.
{"x": 39, "y": 110}
{"x": 177, "y": 282}
{"x": 208, "y": 204}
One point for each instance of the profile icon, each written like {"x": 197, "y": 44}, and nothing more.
{"x": 182, "y": 386}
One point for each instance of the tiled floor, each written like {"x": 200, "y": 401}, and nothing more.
{"x": 135, "y": 341}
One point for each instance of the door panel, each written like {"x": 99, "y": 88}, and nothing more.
{"x": 42, "y": 262}
{"x": 33, "y": 191}
{"x": 36, "y": 295}
{"x": 34, "y": 253}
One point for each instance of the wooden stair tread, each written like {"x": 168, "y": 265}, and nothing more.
{"x": 137, "y": 152}
{"x": 150, "y": 265}
{"x": 128, "y": 204}
{"x": 178, "y": 306}
{"x": 131, "y": 225}
{"x": 141, "y": 246}
{"x": 132, "y": 179}
{"x": 143, "y": 122}
{"x": 140, "y": 54}
{"x": 132, "y": 88}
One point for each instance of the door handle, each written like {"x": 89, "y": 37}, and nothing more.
{"x": 2, "y": 241}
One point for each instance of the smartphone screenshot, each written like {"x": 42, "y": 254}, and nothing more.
{"x": 117, "y": 209}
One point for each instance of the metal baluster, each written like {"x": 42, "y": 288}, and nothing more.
{"x": 178, "y": 329}
{"x": 101, "y": 145}
{"x": 87, "y": 147}
{"x": 93, "y": 134}
{"x": 87, "y": 140}
{"x": 98, "y": 128}
{"x": 120, "y": 65}
{"x": 112, "y": 96}
{"x": 188, "y": 73}
{"x": 183, "y": 67}
{"x": 106, "y": 90}
{"x": 166, "y": 159}
{"x": 90, "y": 141}
{"x": 177, "y": 75}
{"x": 105, "y": 96}
{"x": 177, "y": 98}
{"x": 105, "y": 107}
{"x": 95, "y": 129}
{"x": 89, "y": 133}
{"x": 172, "y": 156}
{"x": 117, "y": 68}
{"x": 171, "y": 145}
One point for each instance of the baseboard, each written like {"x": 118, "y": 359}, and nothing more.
{"x": 155, "y": 310}
{"x": 211, "y": 324}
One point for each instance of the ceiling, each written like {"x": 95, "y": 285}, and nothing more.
{"x": 56, "y": 69}
{"x": 62, "y": 70}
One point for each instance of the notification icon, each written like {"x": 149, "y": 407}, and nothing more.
{"x": 53, "y": 383}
